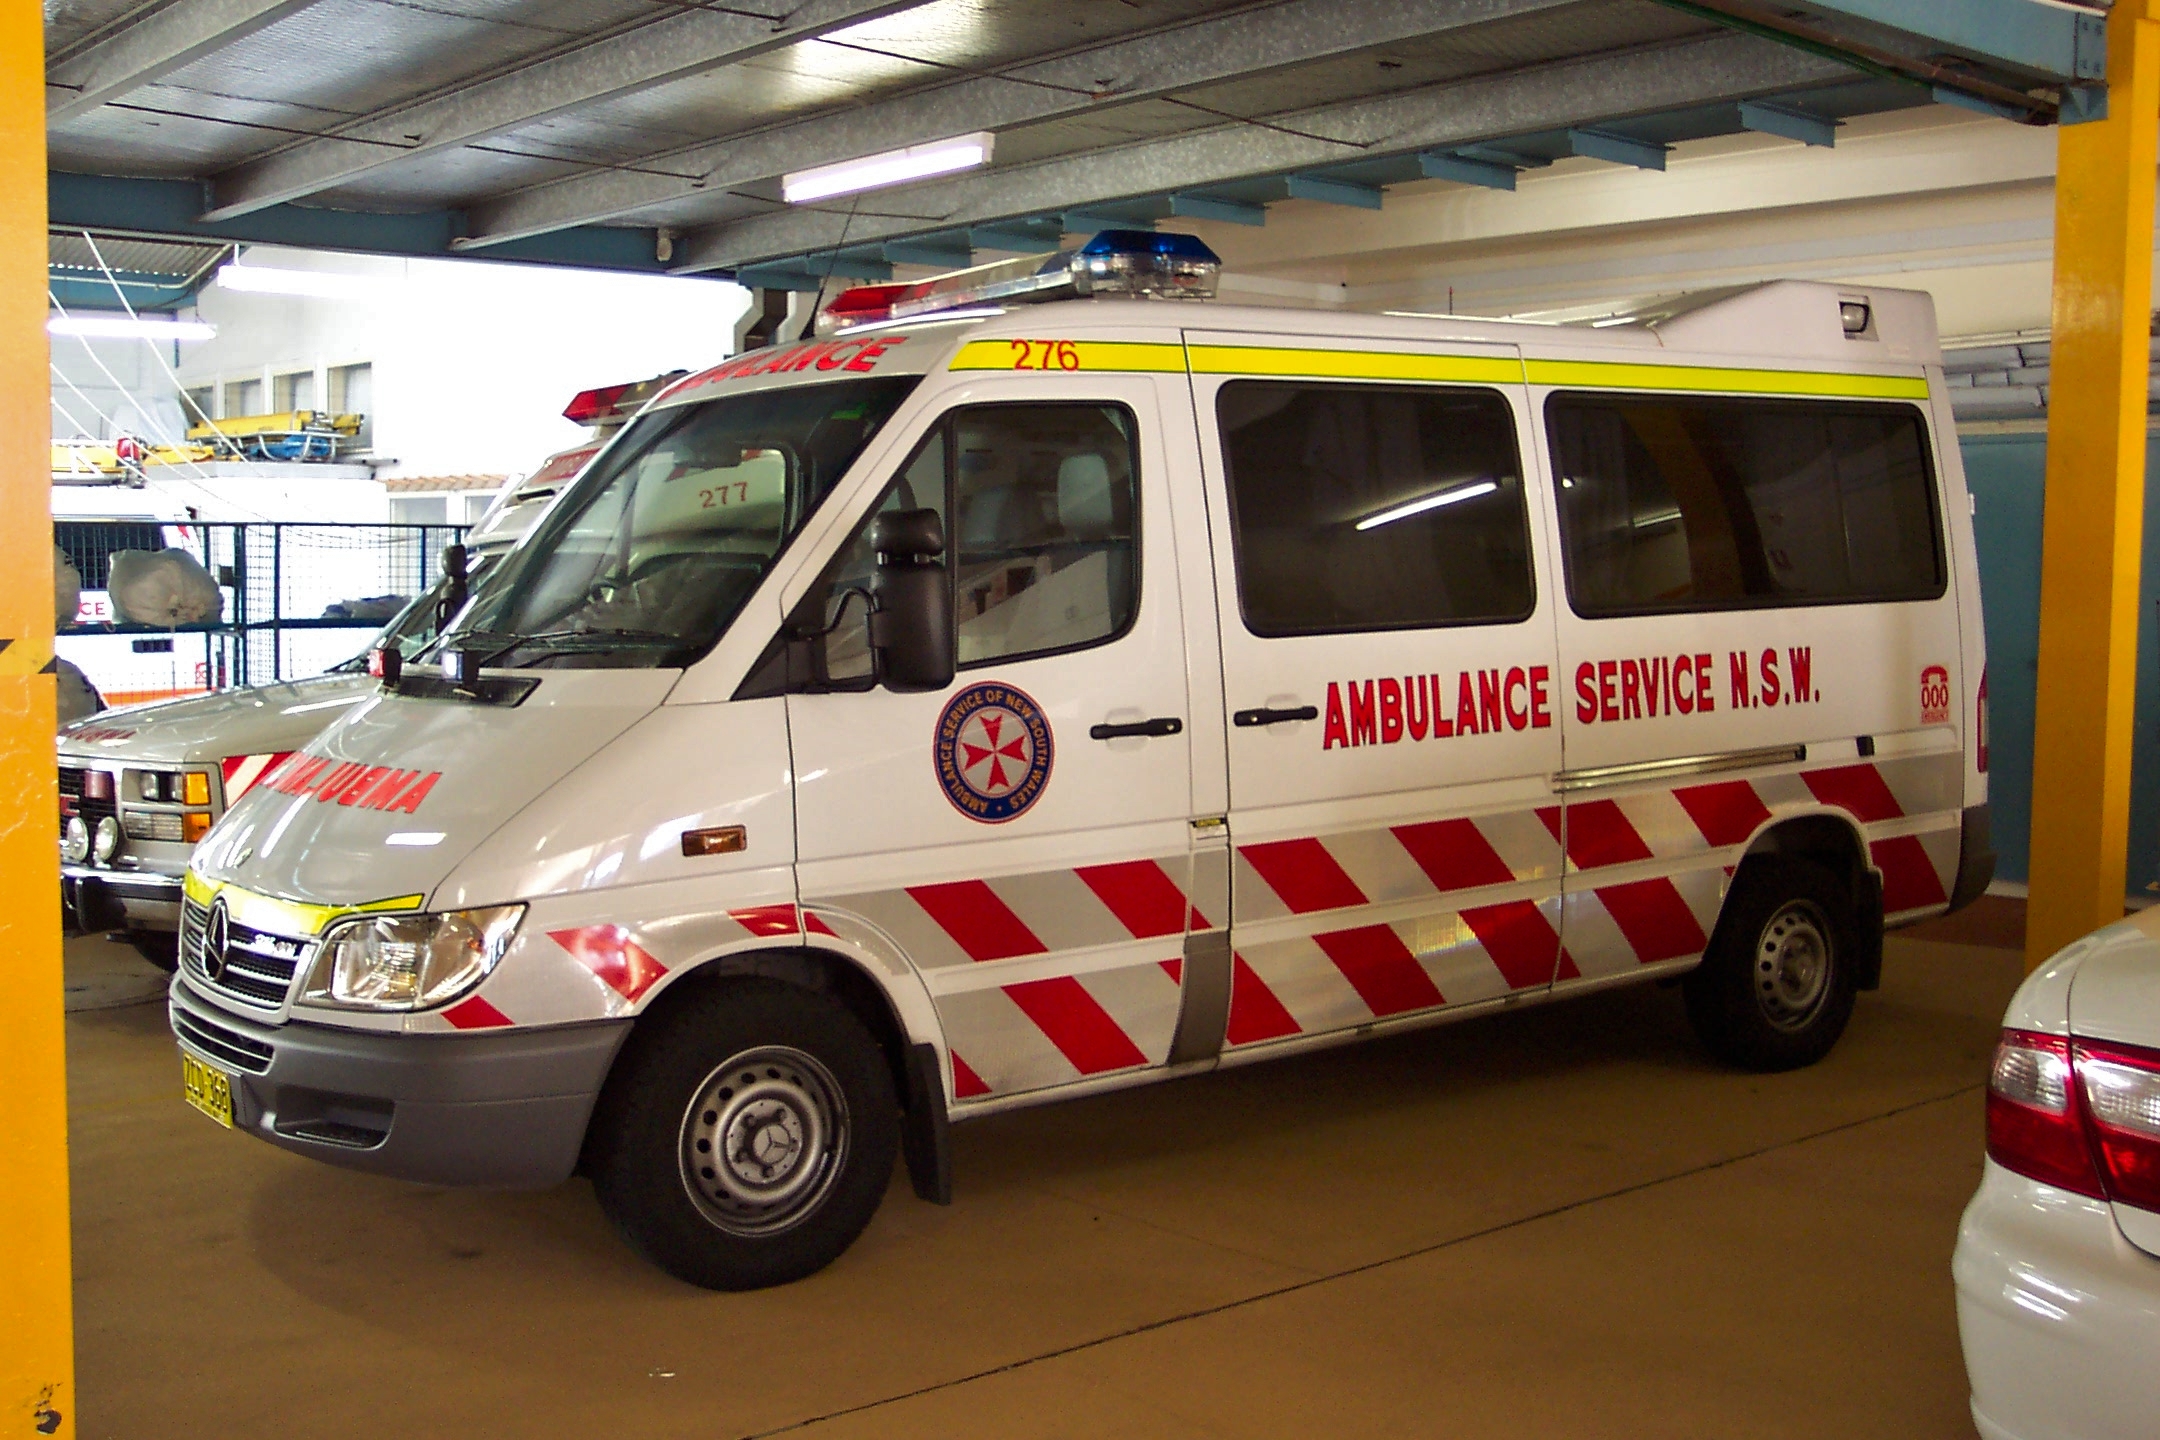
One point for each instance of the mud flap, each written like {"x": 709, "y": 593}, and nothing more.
{"x": 926, "y": 1130}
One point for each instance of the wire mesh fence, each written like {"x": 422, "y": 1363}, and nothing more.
{"x": 294, "y": 599}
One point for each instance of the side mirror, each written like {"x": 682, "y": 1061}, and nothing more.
{"x": 912, "y": 626}
{"x": 453, "y": 600}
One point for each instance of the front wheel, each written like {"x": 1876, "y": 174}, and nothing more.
{"x": 1777, "y": 986}
{"x": 746, "y": 1136}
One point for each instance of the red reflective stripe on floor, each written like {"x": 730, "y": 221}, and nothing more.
{"x": 766, "y": 919}
{"x": 1656, "y": 921}
{"x": 1858, "y": 788}
{"x": 1145, "y": 900}
{"x": 1454, "y": 854}
{"x": 1386, "y": 976}
{"x": 1521, "y": 941}
{"x": 1303, "y": 875}
{"x": 1908, "y": 875}
{"x": 979, "y": 923}
{"x": 1255, "y": 1013}
{"x": 1599, "y": 833}
{"x": 1080, "y": 1028}
{"x": 966, "y": 1084}
{"x": 475, "y": 1014}
{"x": 1727, "y": 813}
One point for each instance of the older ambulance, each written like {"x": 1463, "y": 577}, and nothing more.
{"x": 140, "y": 786}
{"x": 1052, "y": 681}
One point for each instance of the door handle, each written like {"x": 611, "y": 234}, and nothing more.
{"x": 1265, "y": 716}
{"x": 1161, "y": 725}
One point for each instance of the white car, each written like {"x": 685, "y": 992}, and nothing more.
{"x": 2058, "y": 1257}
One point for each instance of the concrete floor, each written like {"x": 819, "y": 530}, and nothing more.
{"x": 1560, "y": 1222}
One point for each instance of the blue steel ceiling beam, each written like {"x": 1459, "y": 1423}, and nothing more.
{"x": 1330, "y": 191}
{"x": 1787, "y": 123}
{"x": 2051, "y": 42}
{"x": 171, "y": 209}
{"x": 1218, "y": 208}
{"x": 1466, "y": 170}
{"x": 1616, "y": 149}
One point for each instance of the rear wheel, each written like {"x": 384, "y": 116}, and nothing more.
{"x": 1777, "y": 987}
{"x": 160, "y": 947}
{"x": 746, "y": 1136}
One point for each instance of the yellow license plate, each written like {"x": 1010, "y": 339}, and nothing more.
{"x": 207, "y": 1089}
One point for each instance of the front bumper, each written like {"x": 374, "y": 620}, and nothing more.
{"x": 2059, "y": 1315}
{"x": 502, "y": 1109}
{"x": 95, "y": 901}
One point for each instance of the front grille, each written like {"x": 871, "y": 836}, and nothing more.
{"x": 259, "y": 966}
{"x": 71, "y": 781}
{"x": 92, "y": 808}
{"x": 227, "y": 1047}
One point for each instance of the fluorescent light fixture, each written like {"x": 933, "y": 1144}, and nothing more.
{"x": 311, "y": 284}
{"x": 1454, "y": 494}
{"x": 893, "y": 167}
{"x": 124, "y": 327}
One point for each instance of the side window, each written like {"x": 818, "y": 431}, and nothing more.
{"x": 1044, "y": 539}
{"x": 1359, "y": 507}
{"x": 1039, "y": 504}
{"x": 1709, "y": 503}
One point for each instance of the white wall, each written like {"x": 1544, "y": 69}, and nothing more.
{"x": 143, "y": 401}
{"x": 472, "y": 362}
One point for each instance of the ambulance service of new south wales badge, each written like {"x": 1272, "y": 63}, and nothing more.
{"x": 993, "y": 752}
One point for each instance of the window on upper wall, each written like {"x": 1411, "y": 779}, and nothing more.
{"x": 294, "y": 391}
{"x": 201, "y": 404}
{"x": 1686, "y": 503}
{"x": 352, "y": 392}
{"x": 420, "y": 509}
{"x": 1366, "y": 507}
{"x": 243, "y": 397}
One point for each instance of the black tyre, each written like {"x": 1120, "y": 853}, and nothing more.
{"x": 160, "y": 947}
{"x": 1776, "y": 988}
{"x": 746, "y": 1135}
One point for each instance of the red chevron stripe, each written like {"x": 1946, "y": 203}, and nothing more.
{"x": 1386, "y": 976}
{"x": 1255, "y": 1013}
{"x": 1728, "y": 812}
{"x": 475, "y": 1014}
{"x": 1304, "y": 875}
{"x": 766, "y": 919}
{"x": 1521, "y": 941}
{"x": 1909, "y": 880}
{"x": 610, "y": 953}
{"x": 1145, "y": 900}
{"x": 1654, "y": 918}
{"x": 1858, "y": 788}
{"x": 1454, "y": 854}
{"x": 1598, "y": 834}
{"x": 966, "y": 1084}
{"x": 1077, "y": 1024}
{"x": 979, "y": 923}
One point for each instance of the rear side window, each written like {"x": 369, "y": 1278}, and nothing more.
{"x": 1687, "y": 503}
{"x": 1359, "y": 507}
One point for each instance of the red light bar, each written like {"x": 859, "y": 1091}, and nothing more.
{"x": 862, "y": 304}
{"x": 590, "y": 405}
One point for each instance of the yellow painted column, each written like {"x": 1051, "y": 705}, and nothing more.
{"x": 37, "y": 1344}
{"x": 2095, "y": 499}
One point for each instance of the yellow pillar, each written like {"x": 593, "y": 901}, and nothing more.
{"x": 37, "y": 1347}
{"x": 2094, "y": 525}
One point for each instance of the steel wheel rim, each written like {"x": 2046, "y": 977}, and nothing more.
{"x": 763, "y": 1140}
{"x": 1793, "y": 961}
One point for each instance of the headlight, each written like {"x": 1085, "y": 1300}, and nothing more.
{"x": 75, "y": 841}
{"x": 409, "y": 962}
{"x": 105, "y": 841}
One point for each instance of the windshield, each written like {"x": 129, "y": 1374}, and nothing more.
{"x": 410, "y": 630}
{"x": 658, "y": 547}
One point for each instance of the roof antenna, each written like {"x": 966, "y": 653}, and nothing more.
{"x": 818, "y": 304}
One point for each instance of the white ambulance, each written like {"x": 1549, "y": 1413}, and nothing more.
{"x": 995, "y": 701}
{"x": 139, "y": 787}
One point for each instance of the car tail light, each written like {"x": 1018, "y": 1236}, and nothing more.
{"x": 2083, "y": 1115}
{"x": 2035, "y": 1124}
{"x": 2120, "y": 1086}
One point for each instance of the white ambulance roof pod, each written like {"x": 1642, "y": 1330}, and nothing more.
{"x": 1809, "y": 321}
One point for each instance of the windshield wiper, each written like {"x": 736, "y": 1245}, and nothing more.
{"x": 559, "y": 639}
